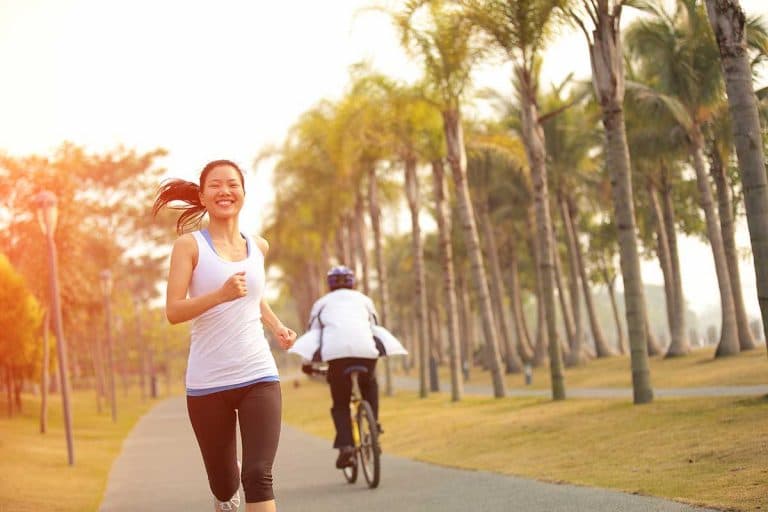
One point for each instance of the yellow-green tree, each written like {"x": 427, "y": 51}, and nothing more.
{"x": 20, "y": 317}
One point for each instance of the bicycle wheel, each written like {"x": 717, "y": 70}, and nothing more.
{"x": 369, "y": 444}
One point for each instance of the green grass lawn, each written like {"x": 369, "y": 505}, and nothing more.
{"x": 707, "y": 451}
{"x": 712, "y": 451}
{"x": 34, "y": 469}
{"x": 698, "y": 369}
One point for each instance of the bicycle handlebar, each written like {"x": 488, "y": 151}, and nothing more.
{"x": 315, "y": 369}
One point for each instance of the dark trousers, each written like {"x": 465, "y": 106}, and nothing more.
{"x": 213, "y": 419}
{"x": 341, "y": 392}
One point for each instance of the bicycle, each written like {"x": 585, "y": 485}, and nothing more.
{"x": 365, "y": 433}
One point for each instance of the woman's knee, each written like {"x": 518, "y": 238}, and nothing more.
{"x": 257, "y": 481}
{"x": 223, "y": 486}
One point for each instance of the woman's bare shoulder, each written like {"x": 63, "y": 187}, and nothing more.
{"x": 262, "y": 244}
{"x": 185, "y": 241}
{"x": 185, "y": 245}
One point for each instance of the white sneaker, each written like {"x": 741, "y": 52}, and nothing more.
{"x": 228, "y": 506}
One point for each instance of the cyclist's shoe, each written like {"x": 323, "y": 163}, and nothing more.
{"x": 345, "y": 458}
{"x": 378, "y": 427}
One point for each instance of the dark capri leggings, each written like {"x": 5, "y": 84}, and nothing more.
{"x": 213, "y": 419}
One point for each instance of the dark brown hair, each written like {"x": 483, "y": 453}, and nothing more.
{"x": 188, "y": 193}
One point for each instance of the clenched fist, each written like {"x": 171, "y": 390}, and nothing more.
{"x": 234, "y": 287}
{"x": 285, "y": 336}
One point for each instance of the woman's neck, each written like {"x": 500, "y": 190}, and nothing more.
{"x": 228, "y": 229}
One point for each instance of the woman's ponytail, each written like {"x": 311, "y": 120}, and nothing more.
{"x": 186, "y": 192}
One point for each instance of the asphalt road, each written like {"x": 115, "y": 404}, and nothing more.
{"x": 160, "y": 470}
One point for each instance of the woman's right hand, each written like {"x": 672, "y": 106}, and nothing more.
{"x": 234, "y": 287}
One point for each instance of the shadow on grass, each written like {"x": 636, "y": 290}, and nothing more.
{"x": 752, "y": 401}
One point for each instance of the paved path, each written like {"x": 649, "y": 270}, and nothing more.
{"x": 412, "y": 383}
{"x": 160, "y": 470}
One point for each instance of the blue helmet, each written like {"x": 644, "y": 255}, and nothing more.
{"x": 340, "y": 277}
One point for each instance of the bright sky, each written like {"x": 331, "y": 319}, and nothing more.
{"x": 220, "y": 79}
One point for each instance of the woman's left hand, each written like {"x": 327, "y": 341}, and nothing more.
{"x": 285, "y": 336}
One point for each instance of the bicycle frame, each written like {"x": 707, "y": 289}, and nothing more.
{"x": 354, "y": 405}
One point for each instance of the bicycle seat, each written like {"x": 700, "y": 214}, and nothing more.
{"x": 356, "y": 368}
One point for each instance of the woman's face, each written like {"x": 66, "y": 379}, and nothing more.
{"x": 222, "y": 193}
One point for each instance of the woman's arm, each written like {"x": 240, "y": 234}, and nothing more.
{"x": 284, "y": 335}
{"x": 180, "y": 308}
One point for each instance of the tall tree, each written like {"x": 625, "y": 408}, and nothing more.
{"x": 729, "y": 25}
{"x": 20, "y": 319}
{"x": 718, "y": 152}
{"x": 521, "y": 30}
{"x": 494, "y": 158}
{"x": 689, "y": 86}
{"x": 656, "y": 147}
{"x": 446, "y": 48}
{"x": 606, "y": 56}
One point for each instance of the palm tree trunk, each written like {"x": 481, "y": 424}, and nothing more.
{"x": 464, "y": 325}
{"x": 457, "y": 160}
{"x": 602, "y": 349}
{"x": 725, "y": 209}
{"x": 668, "y": 212}
{"x": 564, "y": 306}
{"x": 362, "y": 254}
{"x": 654, "y": 348}
{"x": 433, "y": 346}
{"x": 621, "y": 337}
{"x": 515, "y": 298}
{"x": 343, "y": 242}
{"x": 417, "y": 248}
{"x": 534, "y": 142}
{"x": 728, "y": 21}
{"x": 729, "y": 334}
{"x": 575, "y": 357}
{"x": 606, "y": 55}
{"x": 541, "y": 344}
{"x": 443, "y": 214}
{"x": 381, "y": 267}
{"x": 511, "y": 359}
{"x": 677, "y": 342}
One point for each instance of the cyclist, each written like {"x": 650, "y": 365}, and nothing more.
{"x": 345, "y": 318}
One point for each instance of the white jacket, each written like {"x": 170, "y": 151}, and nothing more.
{"x": 344, "y": 318}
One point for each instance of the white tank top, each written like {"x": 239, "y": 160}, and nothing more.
{"x": 228, "y": 347}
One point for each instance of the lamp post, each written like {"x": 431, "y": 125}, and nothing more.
{"x": 47, "y": 215}
{"x": 105, "y": 276}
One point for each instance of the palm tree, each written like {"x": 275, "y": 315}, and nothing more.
{"x": 521, "y": 29}
{"x": 414, "y": 130}
{"x": 570, "y": 140}
{"x": 719, "y": 149}
{"x": 361, "y": 136}
{"x": 674, "y": 52}
{"x": 655, "y": 142}
{"x": 494, "y": 155}
{"x": 606, "y": 56}
{"x": 729, "y": 25}
{"x": 446, "y": 48}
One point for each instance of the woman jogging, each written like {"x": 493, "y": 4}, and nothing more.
{"x": 216, "y": 279}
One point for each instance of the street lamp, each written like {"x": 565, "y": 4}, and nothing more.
{"x": 47, "y": 215}
{"x": 105, "y": 277}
